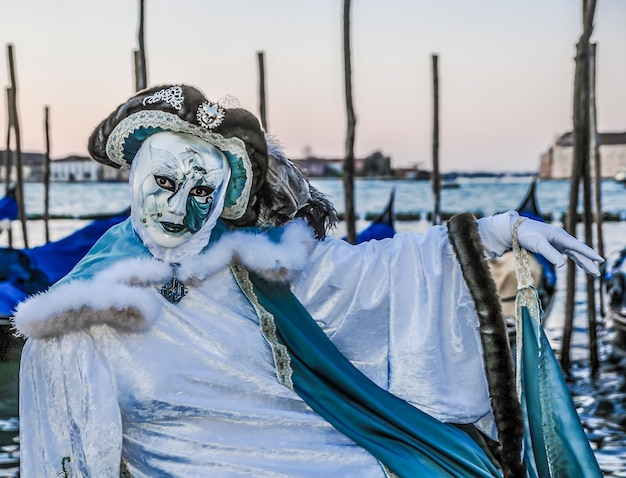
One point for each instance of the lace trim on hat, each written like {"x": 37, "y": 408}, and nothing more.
{"x": 234, "y": 148}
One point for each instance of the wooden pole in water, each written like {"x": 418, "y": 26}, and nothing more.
{"x": 590, "y": 280}
{"x": 18, "y": 148}
{"x": 46, "y": 174}
{"x": 141, "y": 75}
{"x": 580, "y": 164}
{"x": 348, "y": 161}
{"x": 7, "y": 163}
{"x": 597, "y": 163}
{"x": 592, "y": 323}
{"x": 8, "y": 160}
{"x": 262, "y": 104}
{"x": 436, "y": 178}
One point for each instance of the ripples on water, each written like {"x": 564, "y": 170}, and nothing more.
{"x": 600, "y": 401}
{"x": 484, "y": 195}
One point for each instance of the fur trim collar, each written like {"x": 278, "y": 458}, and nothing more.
{"x": 117, "y": 296}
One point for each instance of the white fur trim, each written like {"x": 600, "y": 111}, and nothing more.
{"x": 277, "y": 261}
{"x": 117, "y": 295}
{"x": 80, "y": 304}
{"x": 142, "y": 271}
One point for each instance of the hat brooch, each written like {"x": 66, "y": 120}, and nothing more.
{"x": 210, "y": 115}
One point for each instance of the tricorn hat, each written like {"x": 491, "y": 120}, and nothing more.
{"x": 185, "y": 109}
{"x": 265, "y": 187}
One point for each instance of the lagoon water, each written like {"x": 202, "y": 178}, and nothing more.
{"x": 600, "y": 400}
{"x": 480, "y": 195}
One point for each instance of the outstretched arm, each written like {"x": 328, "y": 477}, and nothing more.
{"x": 550, "y": 241}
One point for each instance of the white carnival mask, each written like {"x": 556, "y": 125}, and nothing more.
{"x": 178, "y": 184}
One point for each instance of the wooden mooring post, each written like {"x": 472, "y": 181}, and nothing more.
{"x": 262, "y": 104}
{"x": 436, "y": 178}
{"x": 348, "y": 161}
{"x": 46, "y": 174}
{"x": 15, "y": 123}
{"x": 139, "y": 55}
{"x": 580, "y": 169}
{"x": 597, "y": 163}
{"x": 8, "y": 159}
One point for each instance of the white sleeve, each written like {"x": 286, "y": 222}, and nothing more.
{"x": 69, "y": 416}
{"x": 399, "y": 310}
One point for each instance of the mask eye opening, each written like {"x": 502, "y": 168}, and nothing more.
{"x": 165, "y": 183}
{"x": 201, "y": 191}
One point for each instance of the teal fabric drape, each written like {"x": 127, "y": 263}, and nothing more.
{"x": 407, "y": 441}
{"x": 556, "y": 444}
{"x": 412, "y": 443}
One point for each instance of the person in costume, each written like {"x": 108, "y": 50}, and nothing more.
{"x": 220, "y": 332}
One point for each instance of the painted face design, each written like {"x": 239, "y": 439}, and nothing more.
{"x": 176, "y": 181}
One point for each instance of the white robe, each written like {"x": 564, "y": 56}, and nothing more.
{"x": 193, "y": 392}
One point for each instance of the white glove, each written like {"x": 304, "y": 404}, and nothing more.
{"x": 550, "y": 241}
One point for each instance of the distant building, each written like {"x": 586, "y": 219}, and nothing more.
{"x": 84, "y": 169}
{"x": 375, "y": 165}
{"x": 32, "y": 169}
{"x": 74, "y": 169}
{"x": 556, "y": 163}
{"x": 68, "y": 169}
{"x": 315, "y": 167}
{"x": 110, "y": 174}
{"x": 411, "y": 172}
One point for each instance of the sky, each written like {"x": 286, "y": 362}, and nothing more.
{"x": 505, "y": 71}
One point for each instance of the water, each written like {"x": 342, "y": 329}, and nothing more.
{"x": 600, "y": 401}
{"x": 481, "y": 195}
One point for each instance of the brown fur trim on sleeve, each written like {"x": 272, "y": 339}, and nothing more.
{"x": 498, "y": 361}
